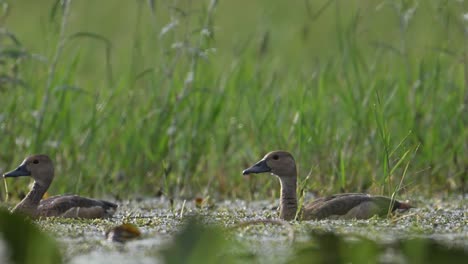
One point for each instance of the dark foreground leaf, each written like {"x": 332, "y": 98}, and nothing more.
{"x": 24, "y": 242}
{"x": 199, "y": 242}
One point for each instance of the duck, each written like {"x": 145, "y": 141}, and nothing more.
{"x": 338, "y": 206}
{"x": 40, "y": 167}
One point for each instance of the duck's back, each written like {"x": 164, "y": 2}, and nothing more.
{"x": 349, "y": 206}
{"x": 74, "y": 206}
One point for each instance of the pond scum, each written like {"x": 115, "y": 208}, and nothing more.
{"x": 239, "y": 232}
{"x": 172, "y": 99}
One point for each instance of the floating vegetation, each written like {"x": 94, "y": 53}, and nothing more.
{"x": 123, "y": 233}
{"x": 252, "y": 232}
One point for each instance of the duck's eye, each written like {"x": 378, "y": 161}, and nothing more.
{"x": 275, "y": 157}
{"x": 35, "y": 161}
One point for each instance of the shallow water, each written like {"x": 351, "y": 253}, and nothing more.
{"x": 445, "y": 221}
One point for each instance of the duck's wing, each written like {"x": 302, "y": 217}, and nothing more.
{"x": 73, "y": 206}
{"x": 348, "y": 206}
{"x": 322, "y": 200}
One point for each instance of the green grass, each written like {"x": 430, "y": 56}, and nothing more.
{"x": 179, "y": 97}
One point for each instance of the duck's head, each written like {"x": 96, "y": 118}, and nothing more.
{"x": 39, "y": 167}
{"x": 280, "y": 163}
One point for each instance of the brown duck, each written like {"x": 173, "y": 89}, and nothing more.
{"x": 338, "y": 206}
{"x": 41, "y": 169}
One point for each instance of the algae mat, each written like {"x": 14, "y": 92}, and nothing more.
{"x": 257, "y": 237}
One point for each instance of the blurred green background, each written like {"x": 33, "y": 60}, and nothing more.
{"x": 178, "y": 97}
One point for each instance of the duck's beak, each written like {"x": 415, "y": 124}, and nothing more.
{"x": 20, "y": 171}
{"x": 259, "y": 167}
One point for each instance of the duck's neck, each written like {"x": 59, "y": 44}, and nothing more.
{"x": 30, "y": 203}
{"x": 288, "y": 199}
